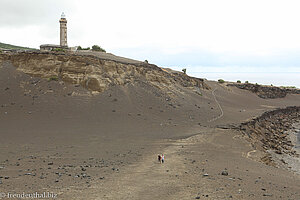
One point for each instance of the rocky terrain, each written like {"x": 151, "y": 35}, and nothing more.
{"x": 94, "y": 73}
{"x": 266, "y": 92}
{"x": 270, "y": 131}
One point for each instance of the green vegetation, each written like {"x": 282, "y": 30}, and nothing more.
{"x": 184, "y": 70}
{"x": 53, "y": 78}
{"x": 238, "y": 81}
{"x": 288, "y": 87}
{"x": 9, "y": 46}
{"x": 97, "y": 48}
{"x": 146, "y": 61}
{"x": 246, "y": 81}
{"x": 221, "y": 81}
{"x": 58, "y": 50}
{"x": 94, "y": 48}
{"x": 199, "y": 93}
{"x": 80, "y": 48}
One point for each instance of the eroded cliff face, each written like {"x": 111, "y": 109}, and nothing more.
{"x": 94, "y": 73}
{"x": 269, "y": 131}
{"x": 266, "y": 92}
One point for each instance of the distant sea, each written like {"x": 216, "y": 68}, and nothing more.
{"x": 265, "y": 78}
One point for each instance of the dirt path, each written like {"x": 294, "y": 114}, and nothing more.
{"x": 217, "y": 102}
{"x": 147, "y": 179}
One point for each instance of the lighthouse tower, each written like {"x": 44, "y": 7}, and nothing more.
{"x": 63, "y": 31}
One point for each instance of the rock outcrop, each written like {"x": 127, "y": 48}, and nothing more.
{"x": 94, "y": 73}
{"x": 266, "y": 92}
{"x": 269, "y": 131}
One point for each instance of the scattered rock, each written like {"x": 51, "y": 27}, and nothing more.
{"x": 224, "y": 173}
{"x": 271, "y": 129}
{"x": 265, "y": 92}
{"x": 50, "y": 163}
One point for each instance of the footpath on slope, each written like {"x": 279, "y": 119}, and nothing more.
{"x": 148, "y": 179}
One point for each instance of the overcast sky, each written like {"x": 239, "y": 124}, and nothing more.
{"x": 201, "y": 35}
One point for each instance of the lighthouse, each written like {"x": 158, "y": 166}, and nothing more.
{"x": 63, "y": 31}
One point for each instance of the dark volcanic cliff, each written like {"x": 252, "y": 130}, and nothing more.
{"x": 269, "y": 131}
{"x": 266, "y": 92}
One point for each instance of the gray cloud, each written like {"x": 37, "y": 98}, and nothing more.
{"x": 19, "y": 13}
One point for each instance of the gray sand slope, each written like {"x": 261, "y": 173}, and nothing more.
{"x": 59, "y": 137}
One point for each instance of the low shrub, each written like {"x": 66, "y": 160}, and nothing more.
{"x": 98, "y": 48}
{"x": 80, "y": 48}
{"x": 53, "y": 78}
{"x": 238, "y": 81}
{"x": 58, "y": 50}
{"x": 221, "y": 81}
{"x": 288, "y": 87}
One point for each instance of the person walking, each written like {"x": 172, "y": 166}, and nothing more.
{"x": 159, "y": 158}
{"x": 162, "y": 158}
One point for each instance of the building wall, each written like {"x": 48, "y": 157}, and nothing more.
{"x": 63, "y": 32}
